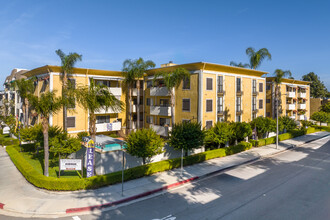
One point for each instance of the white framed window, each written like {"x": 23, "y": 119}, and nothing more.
{"x": 71, "y": 121}
{"x": 209, "y": 84}
{"x": 186, "y": 84}
{"x": 208, "y": 124}
{"x": 209, "y": 105}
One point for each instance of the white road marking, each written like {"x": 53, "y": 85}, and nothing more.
{"x": 169, "y": 217}
{"x": 76, "y": 218}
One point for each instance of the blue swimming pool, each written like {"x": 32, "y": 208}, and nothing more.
{"x": 111, "y": 147}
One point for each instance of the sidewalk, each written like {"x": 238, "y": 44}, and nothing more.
{"x": 20, "y": 198}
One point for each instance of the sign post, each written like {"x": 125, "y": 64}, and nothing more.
{"x": 90, "y": 158}
{"x": 69, "y": 164}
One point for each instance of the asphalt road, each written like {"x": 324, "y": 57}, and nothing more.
{"x": 291, "y": 185}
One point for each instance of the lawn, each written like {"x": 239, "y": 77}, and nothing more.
{"x": 37, "y": 162}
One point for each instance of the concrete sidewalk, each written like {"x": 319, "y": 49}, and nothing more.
{"x": 20, "y": 198}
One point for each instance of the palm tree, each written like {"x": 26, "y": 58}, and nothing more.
{"x": 24, "y": 87}
{"x": 242, "y": 65}
{"x": 94, "y": 98}
{"x": 172, "y": 80}
{"x": 133, "y": 70}
{"x": 45, "y": 105}
{"x": 279, "y": 75}
{"x": 67, "y": 64}
{"x": 256, "y": 58}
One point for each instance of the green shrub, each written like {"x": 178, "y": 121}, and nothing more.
{"x": 82, "y": 134}
{"x": 242, "y": 146}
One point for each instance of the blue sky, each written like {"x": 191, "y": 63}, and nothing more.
{"x": 297, "y": 33}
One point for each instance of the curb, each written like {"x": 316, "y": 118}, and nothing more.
{"x": 1, "y": 205}
{"x": 106, "y": 205}
{"x": 98, "y": 207}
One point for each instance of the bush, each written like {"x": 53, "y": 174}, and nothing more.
{"x": 82, "y": 134}
{"x": 242, "y": 146}
{"x": 221, "y": 133}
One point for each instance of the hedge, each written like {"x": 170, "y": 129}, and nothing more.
{"x": 289, "y": 135}
{"x": 52, "y": 183}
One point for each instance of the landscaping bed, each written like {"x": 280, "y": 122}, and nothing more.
{"x": 32, "y": 172}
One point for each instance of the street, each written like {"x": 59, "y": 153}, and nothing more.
{"x": 291, "y": 185}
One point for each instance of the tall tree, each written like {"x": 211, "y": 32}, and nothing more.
{"x": 94, "y": 98}
{"x": 318, "y": 89}
{"x": 133, "y": 70}
{"x": 24, "y": 87}
{"x": 67, "y": 65}
{"x": 256, "y": 58}
{"x": 172, "y": 80}
{"x": 45, "y": 105}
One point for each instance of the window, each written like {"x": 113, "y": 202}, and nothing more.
{"x": 103, "y": 82}
{"x": 164, "y": 121}
{"x": 220, "y": 84}
{"x": 148, "y": 101}
{"x": 186, "y": 105}
{"x": 208, "y": 124}
{"x": 238, "y": 104}
{"x": 71, "y": 122}
{"x": 254, "y": 86}
{"x": 72, "y": 83}
{"x": 186, "y": 83}
{"x": 209, "y": 84}
{"x": 149, "y": 83}
{"x": 102, "y": 119}
{"x": 238, "y": 118}
{"x": 254, "y": 103}
{"x": 267, "y": 114}
{"x": 150, "y": 119}
{"x": 164, "y": 102}
{"x": 261, "y": 87}
{"x": 267, "y": 86}
{"x": 209, "y": 103}
{"x": 238, "y": 85}
{"x": 220, "y": 104}
{"x": 261, "y": 104}
{"x": 267, "y": 100}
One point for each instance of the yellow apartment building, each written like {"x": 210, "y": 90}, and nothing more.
{"x": 294, "y": 99}
{"x": 215, "y": 93}
{"x": 49, "y": 79}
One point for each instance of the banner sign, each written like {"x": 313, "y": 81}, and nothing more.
{"x": 70, "y": 164}
{"x": 90, "y": 159}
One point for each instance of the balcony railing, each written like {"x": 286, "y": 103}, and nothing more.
{"x": 255, "y": 92}
{"x": 107, "y": 111}
{"x": 301, "y": 106}
{"x": 291, "y": 94}
{"x": 160, "y": 110}
{"x": 135, "y": 108}
{"x": 239, "y": 93}
{"x": 292, "y": 117}
{"x": 161, "y": 130}
{"x": 116, "y": 91}
{"x": 290, "y": 106}
{"x": 239, "y": 112}
{"x": 104, "y": 127}
{"x": 302, "y": 95}
{"x": 221, "y": 92}
{"x": 159, "y": 91}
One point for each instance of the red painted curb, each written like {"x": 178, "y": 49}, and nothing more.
{"x": 96, "y": 207}
{"x": 1, "y": 205}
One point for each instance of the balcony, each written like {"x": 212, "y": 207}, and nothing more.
{"x": 255, "y": 110}
{"x": 160, "y": 110}
{"x": 301, "y": 117}
{"x": 221, "y": 112}
{"x": 161, "y": 130}
{"x": 116, "y": 91}
{"x": 239, "y": 112}
{"x": 159, "y": 91}
{"x": 290, "y": 106}
{"x": 291, "y": 94}
{"x": 135, "y": 92}
{"x": 106, "y": 111}
{"x": 221, "y": 92}
{"x": 135, "y": 108}
{"x": 302, "y": 106}
{"x": 239, "y": 93}
{"x": 293, "y": 117}
{"x": 104, "y": 127}
{"x": 302, "y": 95}
{"x": 255, "y": 92}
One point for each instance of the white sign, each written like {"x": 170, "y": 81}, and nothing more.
{"x": 70, "y": 164}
